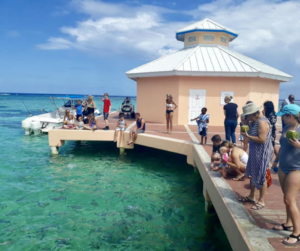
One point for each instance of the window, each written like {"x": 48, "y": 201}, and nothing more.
{"x": 191, "y": 39}
{"x": 224, "y": 40}
{"x": 208, "y": 37}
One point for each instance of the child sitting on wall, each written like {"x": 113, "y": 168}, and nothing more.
{"x": 92, "y": 123}
{"x": 224, "y": 154}
{"x": 203, "y": 120}
{"x": 80, "y": 123}
{"x": 223, "y": 162}
{"x": 121, "y": 126}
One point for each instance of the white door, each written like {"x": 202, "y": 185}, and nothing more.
{"x": 196, "y": 103}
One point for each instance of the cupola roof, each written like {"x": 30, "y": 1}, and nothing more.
{"x": 205, "y": 25}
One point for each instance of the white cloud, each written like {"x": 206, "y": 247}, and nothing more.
{"x": 55, "y": 43}
{"x": 266, "y": 27}
{"x": 118, "y": 29}
{"x": 261, "y": 23}
{"x": 13, "y": 33}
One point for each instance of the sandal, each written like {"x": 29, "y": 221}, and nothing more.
{"x": 257, "y": 206}
{"x": 246, "y": 200}
{"x": 284, "y": 228}
{"x": 292, "y": 244}
{"x": 242, "y": 178}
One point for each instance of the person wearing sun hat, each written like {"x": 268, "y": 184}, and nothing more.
{"x": 289, "y": 171}
{"x": 260, "y": 153}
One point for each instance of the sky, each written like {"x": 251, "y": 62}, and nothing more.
{"x": 86, "y": 46}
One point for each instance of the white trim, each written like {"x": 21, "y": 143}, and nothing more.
{"x": 208, "y": 74}
{"x": 191, "y": 134}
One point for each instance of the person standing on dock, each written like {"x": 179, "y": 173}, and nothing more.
{"x": 260, "y": 154}
{"x": 289, "y": 171}
{"x": 288, "y": 101}
{"x": 90, "y": 105}
{"x": 106, "y": 109}
{"x": 79, "y": 108}
{"x": 140, "y": 128}
{"x": 202, "y": 125}
{"x": 270, "y": 114}
{"x": 171, "y": 107}
{"x": 231, "y": 116}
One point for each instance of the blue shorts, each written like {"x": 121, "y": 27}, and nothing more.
{"x": 105, "y": 115}
{"x": 288, "y": 171}
{"x": 203, "y": 133}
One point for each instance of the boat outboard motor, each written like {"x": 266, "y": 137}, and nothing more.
{"x": 26, "y": 124}
{"x": 35, "y": 127}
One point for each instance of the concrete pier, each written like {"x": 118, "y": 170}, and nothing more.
{"x": 245, "y": 229}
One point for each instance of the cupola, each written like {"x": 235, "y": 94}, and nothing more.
{"x": 206, "y": 32}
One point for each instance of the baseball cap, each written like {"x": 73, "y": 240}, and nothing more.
{"x": 289, "y": 109}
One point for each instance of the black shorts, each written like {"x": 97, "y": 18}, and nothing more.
{"x": 90, "y": 110}
{"x": 105, "y": 115}
{"x": 79, "y": 115}
{"x": 203, "y": 133}
{"x": 273, "y": 143}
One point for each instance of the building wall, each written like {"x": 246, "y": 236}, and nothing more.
{"x": 264, "y": 90}
{"x": 213, "y": 86}
{"x": 199, "y": 38}
{"x": 151, "y": 95}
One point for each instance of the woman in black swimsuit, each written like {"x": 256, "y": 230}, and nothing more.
{"x": 170, "y": 108}
{"x": 90, "y": 105}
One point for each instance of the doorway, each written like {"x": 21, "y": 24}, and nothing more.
{"x": 196, "y": 103}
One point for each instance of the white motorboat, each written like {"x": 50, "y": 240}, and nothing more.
{"x": 44, "y": 122}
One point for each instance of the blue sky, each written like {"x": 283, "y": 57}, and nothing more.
{"x": 86, "y": 46}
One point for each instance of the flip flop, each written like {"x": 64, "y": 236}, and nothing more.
{"x": 284, "y": 228}
{"x": 258, "y": 207}
{"x": 239, "y": 179}
{"x": 292, "y": 244}
{"x": 246, "y": 200}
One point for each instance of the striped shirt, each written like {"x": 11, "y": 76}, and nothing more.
{"x": 204, "y": 118}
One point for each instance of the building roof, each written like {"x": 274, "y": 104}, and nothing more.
{"x": 205, "y": 25}
{"x": 210, "y": 60}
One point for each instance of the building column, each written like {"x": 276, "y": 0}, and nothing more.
{"x": 208, "y": 203}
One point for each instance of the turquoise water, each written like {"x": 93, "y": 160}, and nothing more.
{"x": 91, "y": 198}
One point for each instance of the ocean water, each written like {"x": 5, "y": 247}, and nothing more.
{"x": 91, "y": 198}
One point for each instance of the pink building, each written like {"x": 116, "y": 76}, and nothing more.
{"x": 201, "y": 75}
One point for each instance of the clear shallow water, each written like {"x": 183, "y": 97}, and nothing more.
{"x": 90, "y": 198}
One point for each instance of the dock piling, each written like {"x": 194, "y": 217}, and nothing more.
{"x": 54, "y": 150}
{"x": 122, "y": 151}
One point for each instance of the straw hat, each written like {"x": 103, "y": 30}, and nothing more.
{"x": 250, "y": 109}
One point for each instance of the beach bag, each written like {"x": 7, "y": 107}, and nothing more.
{"x": 268, "y": 178}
